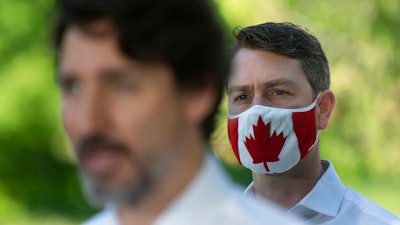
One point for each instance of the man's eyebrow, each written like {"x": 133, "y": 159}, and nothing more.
{"x": 277, "y": 82}
{"x": 115, "y": 73}
{"x": 239, "y": 88}
{"x": 63, "y": 77}
{"x": 265, "y": 85}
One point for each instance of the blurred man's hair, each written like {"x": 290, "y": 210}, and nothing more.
{"x": 185, "y": 34}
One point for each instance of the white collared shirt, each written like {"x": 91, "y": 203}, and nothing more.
{"x": 211, "y": 199}
{"x": 330, "y": 202}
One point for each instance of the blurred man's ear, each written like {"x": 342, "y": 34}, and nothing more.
{"x": 199, "y": 103}
{"x": 325, "y": 106}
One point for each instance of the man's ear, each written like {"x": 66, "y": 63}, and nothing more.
{"x": 199, "y": 103}
{"x": 325, "y": 106}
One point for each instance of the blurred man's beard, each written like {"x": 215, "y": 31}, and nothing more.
{"x": 99, "y": 192}
{"x": 101, "y": 188}
{"x": 128, "y": 192}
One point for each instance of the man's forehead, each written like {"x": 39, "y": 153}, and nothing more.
{"x": 255, "y": 66}
{"x": 101, "y": 28}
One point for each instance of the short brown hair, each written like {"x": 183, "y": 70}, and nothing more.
{"x": 292, "y": 41}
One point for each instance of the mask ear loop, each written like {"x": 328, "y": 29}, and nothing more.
{"x": 317, "y": 133}
{"x": 315, "y": 142}
{"x": 316, "y": 99}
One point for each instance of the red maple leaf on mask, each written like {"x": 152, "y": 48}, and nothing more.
{"x": 264, "y": 147}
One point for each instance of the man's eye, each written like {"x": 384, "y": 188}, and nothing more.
{"x": 242, "y": 97}
{"x": 279, "y": 92}
{"x": 71, "y": 87}
{"x": 122, "y": 86}
{"x": 76, "y": 87}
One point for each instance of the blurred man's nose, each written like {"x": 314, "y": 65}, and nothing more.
{"x": 93, "y": 113}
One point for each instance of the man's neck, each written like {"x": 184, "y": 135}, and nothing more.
{"x": 171, "y": 186}
{"x": 289, "y": 188}
{"x": 157, "y": 201}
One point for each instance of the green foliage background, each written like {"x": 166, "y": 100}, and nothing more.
{"x": 38, "y": 181}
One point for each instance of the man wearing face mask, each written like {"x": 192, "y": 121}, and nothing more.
{"x": 279, "y": 99}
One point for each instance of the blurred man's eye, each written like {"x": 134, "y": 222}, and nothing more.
{"x": 71, "y": 86}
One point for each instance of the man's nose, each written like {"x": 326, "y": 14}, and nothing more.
{"x": 93, "y": 113}
{"x": 259, "y": 100}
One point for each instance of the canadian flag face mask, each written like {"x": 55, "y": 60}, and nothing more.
{"x": 271, "y": 140}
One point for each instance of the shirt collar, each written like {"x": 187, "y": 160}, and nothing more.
{"x": 250, "y": 190}
{"x": 210, "y": 185}
{"x": 325, "y": 198}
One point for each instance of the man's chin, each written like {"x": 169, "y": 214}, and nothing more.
{"x": 96, "y": 194}
{"x": 99, "y": 192}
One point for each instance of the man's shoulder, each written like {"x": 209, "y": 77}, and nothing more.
{"x": 105, "y": 217}
{"x": 365, "y": 210}
{"x": 352, "y": 207}
{"x": 248, "y": 210}
{"x": 213, "y": 199}
{"x": 238, "y": 209}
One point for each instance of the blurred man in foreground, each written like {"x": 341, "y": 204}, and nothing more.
{"x": 279, "y": 100}
{"x": 141, "y": 83}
